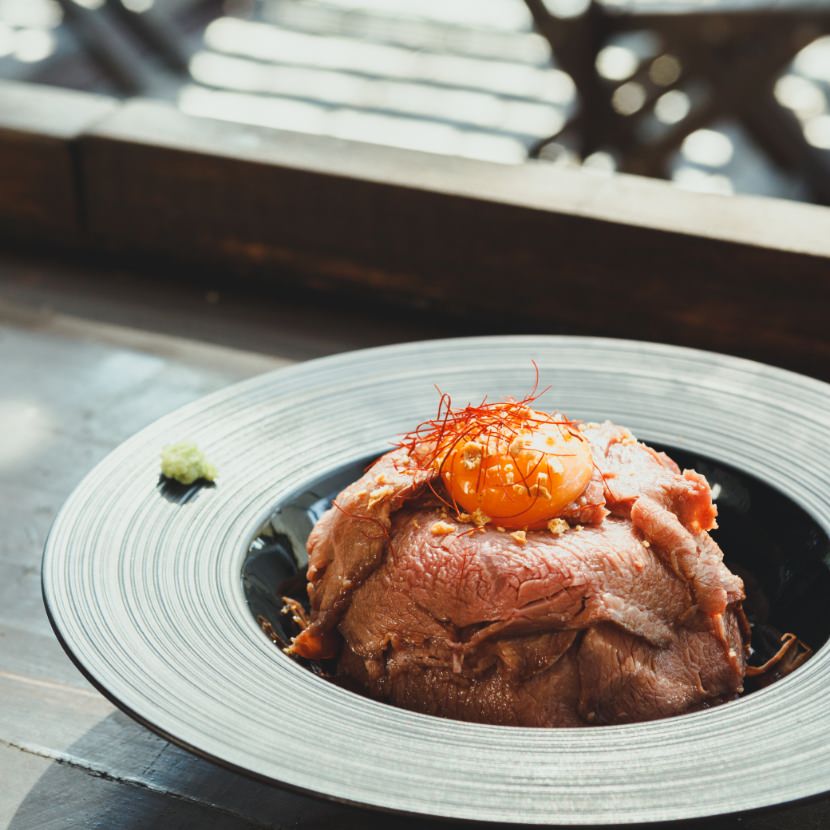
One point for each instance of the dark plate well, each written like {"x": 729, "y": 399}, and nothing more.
{"x": 772, "y": 543}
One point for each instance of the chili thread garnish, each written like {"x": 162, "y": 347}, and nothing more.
{"x": 494, "y": 424}
{"x": 362, "y": 517}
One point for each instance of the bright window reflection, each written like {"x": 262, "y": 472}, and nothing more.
{"x": 6, "y": 40}
{"x": 270, "y": 43}
{"x": 672, "y": 106}
{"x": 33, "y": 45}
{"x": 329, "y": 87}
{"x": 36, "y": 14}
{"x": 708, "y": 147}
{"x": 617, "y": 63}
{"x": 24, "y": 429}
{"x": 814, "y": 60}
{"x": 803, "y": 96}
{"x": 138, "y": 6}
{"x": 411, "y": 81}
{"x": 374, "y": 128}
{"x": 493, "y": 14}
{"x": 690, "y": 178}
{"x": 817, "y": 132}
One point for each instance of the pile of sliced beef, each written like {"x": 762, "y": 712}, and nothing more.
{"x": 626, "y": 614}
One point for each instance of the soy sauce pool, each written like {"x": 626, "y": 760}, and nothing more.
{"x": 772, "y": 543}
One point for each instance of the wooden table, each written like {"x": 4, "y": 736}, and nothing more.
{"x": 86, "y": 358}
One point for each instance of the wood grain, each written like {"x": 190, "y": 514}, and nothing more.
{"x": 528, "y": 247}
{"x": 160, "y": 312}
{"x": 558, "y": 250}
{"x": 80, "y": 731}
{"x": 51, "y": 792}
{"x": 67, "y": 758}
{"x": 39, "y": 191}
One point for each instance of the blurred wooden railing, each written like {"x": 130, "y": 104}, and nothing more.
{"x": 535, "y": 247}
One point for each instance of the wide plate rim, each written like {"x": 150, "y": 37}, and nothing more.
{"x": 761, "y": 373}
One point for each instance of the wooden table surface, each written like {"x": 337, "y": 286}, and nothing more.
{"x": 86, "y": 359}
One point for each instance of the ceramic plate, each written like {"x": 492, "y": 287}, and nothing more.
{"x": 144, "y": 586}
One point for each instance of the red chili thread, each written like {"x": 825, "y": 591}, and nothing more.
{"x": 384, "y": 529}
{"x": 496, "y": 424}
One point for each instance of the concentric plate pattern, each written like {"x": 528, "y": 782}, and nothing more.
{"x": 145, "y": 593}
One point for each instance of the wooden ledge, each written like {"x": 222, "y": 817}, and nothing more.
{"x": 38, "y": 182}
{"x": 537, "y": 247}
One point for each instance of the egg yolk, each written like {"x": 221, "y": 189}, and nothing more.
{"x": 521, "y": 481}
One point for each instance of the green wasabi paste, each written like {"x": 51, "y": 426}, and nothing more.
{"x": 186, "y": 463}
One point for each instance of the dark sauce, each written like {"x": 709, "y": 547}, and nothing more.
{"x": 772, "y": 543}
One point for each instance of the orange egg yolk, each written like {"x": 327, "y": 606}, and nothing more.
{"x": 521, "y": 481}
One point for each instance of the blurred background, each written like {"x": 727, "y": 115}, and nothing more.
{"x": 723, "y": 96}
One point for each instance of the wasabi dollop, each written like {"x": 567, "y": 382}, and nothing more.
{"x": 185, "y": 462}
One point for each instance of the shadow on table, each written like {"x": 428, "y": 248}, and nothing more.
{"x": 120, "y": 775}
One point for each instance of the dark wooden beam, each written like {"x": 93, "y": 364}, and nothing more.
{"x": 531, "y": 246}
{"x": 564, "y": 250}
{"x": 38, "y": 181}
